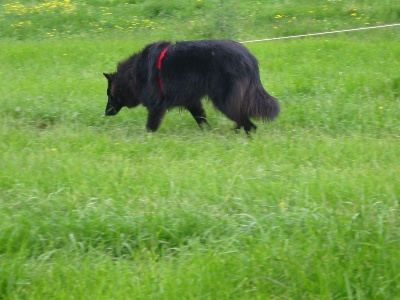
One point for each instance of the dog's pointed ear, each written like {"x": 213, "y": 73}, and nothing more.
{"x": 109, "y": 77}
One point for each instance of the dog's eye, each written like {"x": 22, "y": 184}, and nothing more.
{"x": 116, "y": 99}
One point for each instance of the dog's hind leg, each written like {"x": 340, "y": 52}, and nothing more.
{"x": 198, "y": 113}
{"x": 249, "y": 126}
{"x": 231, "y": 104}
{"x": 246, "y": 124}
{"x": 155, "y": 117}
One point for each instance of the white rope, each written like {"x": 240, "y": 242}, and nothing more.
{"x": 320, "y": 33}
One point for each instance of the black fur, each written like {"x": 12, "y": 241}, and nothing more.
{"x": 223, "y": 70}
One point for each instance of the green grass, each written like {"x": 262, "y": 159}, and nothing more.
{"x": 97, "y": 208}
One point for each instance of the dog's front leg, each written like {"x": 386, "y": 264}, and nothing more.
{"x": 155, "y": 117}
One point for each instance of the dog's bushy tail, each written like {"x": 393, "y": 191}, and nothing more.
{"x": 260, "y": 104}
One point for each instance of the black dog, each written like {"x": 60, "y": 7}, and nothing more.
{"x": 165, "y": 75}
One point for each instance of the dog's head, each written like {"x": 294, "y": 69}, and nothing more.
{"x": 119, "y": 95}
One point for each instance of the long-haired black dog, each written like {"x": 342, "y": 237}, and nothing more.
{"x": 165, "y": 75}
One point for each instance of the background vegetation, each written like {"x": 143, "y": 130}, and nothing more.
{"x": 97, "y": 208}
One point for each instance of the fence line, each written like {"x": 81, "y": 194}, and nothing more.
{"x": 320, "y": 33}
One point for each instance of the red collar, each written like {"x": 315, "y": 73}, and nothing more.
{"x": 159, "y": 65}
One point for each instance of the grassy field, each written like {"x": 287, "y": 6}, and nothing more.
{"x": 97, "y": 208}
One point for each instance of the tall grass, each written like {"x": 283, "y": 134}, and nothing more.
{"x": 95, "y": 207}
{"x": 180, "y": 19}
